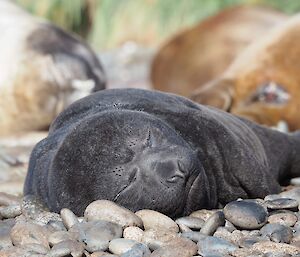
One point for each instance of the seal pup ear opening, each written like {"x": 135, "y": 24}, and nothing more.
{"x": 218, "y": 93}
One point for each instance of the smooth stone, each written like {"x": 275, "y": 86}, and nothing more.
{"x": 138, "y": 250}
{"x": 268, "y": 246}
{"x": 292, "y": 194}
{"x": 5, "y": 228}
{"x": 158, "y": 238}
{"x": 282, "y": 203}
{"x": 277, "y": 233}
{"x": 229, "y": 226}
{"x": 210, "y": 226}
{"x": 68, "y": 218}
{"x": 295, "y": 181}
{"x": 203, "y": 214}
{"x": 110, "y": 211}
{"x": 36, "y": 248}
{"x": 10, "y": 211}
{"x": 215, "y": 245}
{"x": 191, "y": 222}
{"x": 97, "y": 234}
{"x": 119, "y": 246}
{"x": 67, "y": 247}
{"x": 14, "y": 252}
{"x": 277, "y": 255}
{"x": 156, "y": 220}
{"x": 184, "y": 228}
{"x": 29, "y": 233}
{"x": 55, "y": 225}
{"x": 283, "y": 217}
{"x": 244, "y": 252}
{"x": 272, "y": 197}
{"x": 133, "y": 233}
{"x": 45, "y": 218}
{"x": 250, "y": 241}
{"x": 8, "y": 199}
{"x": 182, "y": 248}
{"x": 194, "y": 236}
{"x": 246, "y": 214}
{"x": 60, "y": 236}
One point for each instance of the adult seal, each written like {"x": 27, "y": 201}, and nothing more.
{"x": 146, "y": 149}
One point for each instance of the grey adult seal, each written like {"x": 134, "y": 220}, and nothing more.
{"x": 146, "y": 149}
{"x": 43, "y": 70}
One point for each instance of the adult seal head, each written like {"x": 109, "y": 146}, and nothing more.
{"x": 145, "y": 149}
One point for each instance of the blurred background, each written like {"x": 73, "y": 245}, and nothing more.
{"x": 107, "y": 24}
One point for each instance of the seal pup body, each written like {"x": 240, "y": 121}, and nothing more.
{"x": 146, "y": 149}
{"x": 263, "y": 83}
{"x": 43, "y": 70}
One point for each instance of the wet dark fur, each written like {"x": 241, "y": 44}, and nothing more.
{"x": 145, "y": 149}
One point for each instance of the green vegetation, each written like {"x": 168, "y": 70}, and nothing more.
{"x": 107, "y": 23}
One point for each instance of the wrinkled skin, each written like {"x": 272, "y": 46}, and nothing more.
{"x": 146, "y": 149}
{"x": 263, "y": 83}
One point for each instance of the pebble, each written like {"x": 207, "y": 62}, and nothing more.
{"x": 214, "y": 245}
{"x": 191, "y": 222}
{"x": 194, "y": 236}
{"x": 158, "y": 238}
{"x": 295, "y": 181}
{"x": 109, "y": 211}
{"x": 69, "y": 219}
{"x": 5, "y": 228}
{"x": 10, "y": 211}
{"x": 272, "y": 247}
{"x": 102, "y": 254}
{"x": 246, "y": 214}
{"x": 60, "y": 236}
{"x": 119, "y": 246}
{"x": 138, "y": 250}
{"x": 67, "y": 247}
{"x": 156, "y": 220}
{"x": 97, "y": 234}
{"x": 203, "y": 214}
{"x": 179, "y": 248}
{"x": 210, "y": 226}
{"x": 292, "y": 194}
{"x": 284, "y": 217}
{"x": 133, "y": 233}
{"x": 32, "y": 207}
{"x": 277, "y": 233}
{"x": 29, "y": 233}
{"x": 250, "y": 241}
{"x": 282, "y": 203}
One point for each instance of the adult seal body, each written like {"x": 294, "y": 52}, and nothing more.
{"x": 145, "y": 149}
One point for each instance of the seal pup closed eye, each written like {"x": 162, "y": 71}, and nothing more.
{"x": 146, "y": 149}
{"x": 43, "y": 70}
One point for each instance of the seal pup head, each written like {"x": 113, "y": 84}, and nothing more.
{"x": 130, "y": 157}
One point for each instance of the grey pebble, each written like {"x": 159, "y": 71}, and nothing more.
{"x": 194, "y": 236}
{"x": 36, "y": 248}
{"x": 29, "y": 233}
{"x": 110, "y": 211}
{"x": 246, "y": 214}
{"x": 158, "y": 238}
{"x": 10, "y": 211}
{"x": 97, "y": 234}
{"x": 191, "y": 222}
{"x": 138, "y": 250}
{"x": 295, "y": 181}
{"x": 283, "y": 217}
{"x": 214, "y": 245}
{"x": 277, "y": 233}
{"x": 67, "y": 247}
{"x": 292, "y": 194}
{"x": 69, "y": 219}
{"x": 32, "y": 207}
{"x": 121, "y": 245}
{"x": 249, "y": 241}
{"x": 5, "y": 228}
{"x": 60, "y": 236}
{"x": 282, "y": 203}
{"x": 210, "y": 226}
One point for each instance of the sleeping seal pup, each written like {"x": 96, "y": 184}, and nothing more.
{"x": 43, "y": 70}
{"x": 147, "y": 149}
{"x": 263, "y": 83}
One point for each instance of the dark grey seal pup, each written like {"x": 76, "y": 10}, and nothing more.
{"x": 146, "y": 149}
